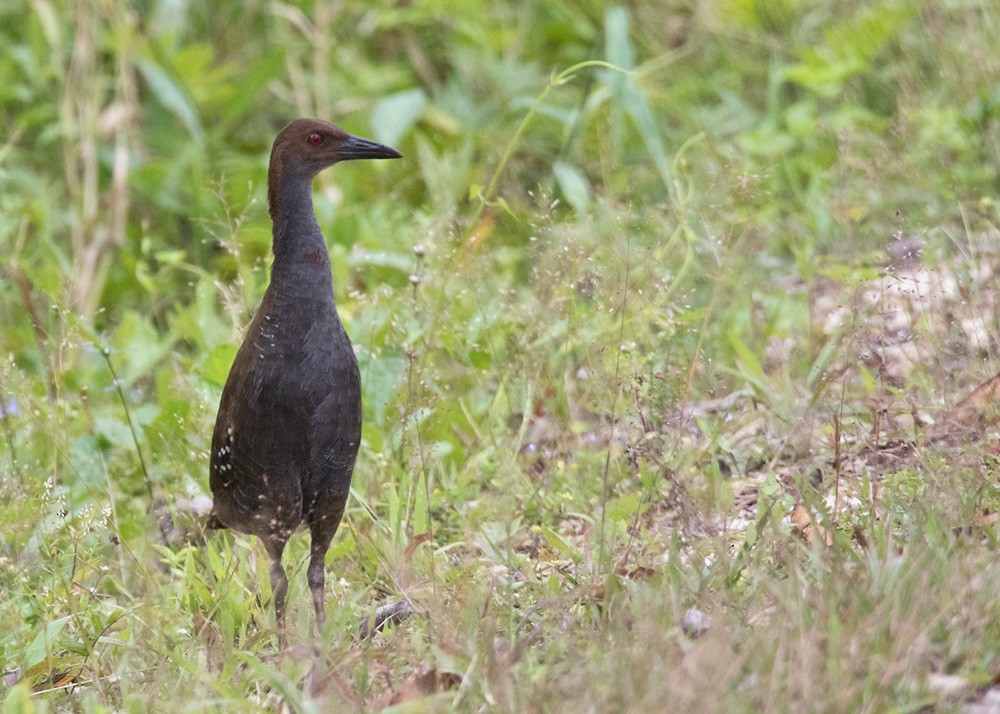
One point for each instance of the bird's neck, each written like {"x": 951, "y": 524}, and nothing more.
{"x": 301, "y": 262}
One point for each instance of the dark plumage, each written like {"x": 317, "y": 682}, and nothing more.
{"x": 289, "y": 421}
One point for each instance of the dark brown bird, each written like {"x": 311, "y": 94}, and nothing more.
{"x": 289, "y": 422}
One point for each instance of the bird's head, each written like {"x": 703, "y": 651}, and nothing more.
{"x": 307, "y": 146}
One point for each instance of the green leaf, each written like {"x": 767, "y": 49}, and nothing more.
{"x": 252, "y": 83}
{"x": 396, "y": 114}
{"x": 623, "y": 509}
{"x": 618, "y": 47}
{"x": 818, "y": 368}
{"x": 573, "y": 184}
{"x": 215, "y": 368}
{"x": 480, "y": 359}
{"x": 421, "y": 517}
{"x": 18, "y": 699}
{"x": 750, "y": 365}
{"x": 170, "y": 95}
{"x": 402, "y": 262}
{"x": 110, "y": 430}
{"x": 380, "y": 380}
{"x": 138, "y": 345}
{"x": 628, "y": 97}
{"x": 506, "y": 207}
{"x": 41, "y": 646}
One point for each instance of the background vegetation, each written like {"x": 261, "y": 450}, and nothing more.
{"x": 615, "y": 324}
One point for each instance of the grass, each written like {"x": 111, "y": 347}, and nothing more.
{"x": 635, "y": 293}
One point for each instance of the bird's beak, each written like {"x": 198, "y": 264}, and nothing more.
{"x": 357, "y": 148}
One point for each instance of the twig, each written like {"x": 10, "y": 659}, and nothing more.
{"x": 106, "y": 353}
{"x": 837, "y": 460}
{"x": 25, "y": 287}
{"x": 614, "y": 405}
{"x": 8, "y": 434}
{"x": 147, "y": 480}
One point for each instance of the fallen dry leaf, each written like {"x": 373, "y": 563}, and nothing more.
{"x": 805, "y": 527}
{"x": 975, "y": 405}
{"x": 417, "y": 540}
{"x": 632, "y": 572}
{"x": 63, "y": 680}
{"x": 947, "y": 684}
{"x": 425, "y": 683}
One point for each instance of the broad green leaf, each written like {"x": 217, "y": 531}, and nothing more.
{"x": 627, "y": 97}
{"x": 42, "y": 645}
{"x": 380, "y": 380}
{"x": 480, "y": 359}
{"x": 618, "y": 46}
{"x": 573, "y": 185}
{"x": 624, "y": 508}
{"x": 138, "y": 347}
{"x": 396, "y": 114}
{"x": 215, "y": 368}
{"x": 18, "y": 699}
{"x": 171, "y": 96}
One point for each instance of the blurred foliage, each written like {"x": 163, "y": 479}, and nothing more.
{"x": 604, "y": 213}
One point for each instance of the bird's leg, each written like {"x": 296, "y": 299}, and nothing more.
{"x": 279, "y": 584}
{"x": 316, "y": 574}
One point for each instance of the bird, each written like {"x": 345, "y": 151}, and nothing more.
{"x": 289, "y": 423}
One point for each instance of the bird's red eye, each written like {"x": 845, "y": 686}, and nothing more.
{"x": 315, "y": 139}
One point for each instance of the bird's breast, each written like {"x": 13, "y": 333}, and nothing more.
{"x": 306, "y": 348}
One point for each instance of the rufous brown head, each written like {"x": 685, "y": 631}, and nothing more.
{"x": 307, "y": 146}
